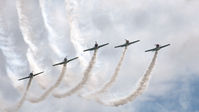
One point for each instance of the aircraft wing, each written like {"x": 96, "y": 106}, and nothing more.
{"x": 124, "y": 45}
{"x": 94, "y": 48}
{"x": 134, "y": 42}
{"x": 151, "y": 50}
{"x": 59, "y": 64}
{"x": 103, "y": 45}
{"x": 90, "y": 49}
{"x": 120, "y": 46}
{"x": 24, "y": 78}
{"x": 164, "y": 46}
{"x": 38, "y": 73}
{"x": 72, "y": 59}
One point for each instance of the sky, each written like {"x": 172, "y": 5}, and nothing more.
{"x": 34, "y": 34}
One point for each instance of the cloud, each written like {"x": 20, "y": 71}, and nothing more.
{"x": 152, "y": 22}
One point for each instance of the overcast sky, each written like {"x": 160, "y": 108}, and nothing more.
{"x": 51, "y": 37}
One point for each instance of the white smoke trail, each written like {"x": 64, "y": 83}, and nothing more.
{"x": 20, "y": 103}
{"x": 113, "y": 78}
{"x": 16, "y": 63}
{"x": 108, "y": 84}
{"x": 55, "y": 37}
{"x": 37, "y": 53}
{"x": 142, "y": 85}
{"x": 3, "y": 104}
{"x": 78, "y": 42}
{"x": 25, "y": 94}
{"x": 84, "y": 79}
{"x": 49, "y": 90}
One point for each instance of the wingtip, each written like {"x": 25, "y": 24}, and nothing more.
{"x": 107, "y": 43}
{"x": 20, "y": 79}
{"x": 75, "y": 58}
{"x": 54, "y": 65}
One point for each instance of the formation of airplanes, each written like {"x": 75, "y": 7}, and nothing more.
{"x": 96, "y": 46}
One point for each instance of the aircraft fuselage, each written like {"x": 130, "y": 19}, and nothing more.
{"x": 127, "y": 42}
{"x": 31, "y": 75}
{"x": 96, "y": 45}
{"x": 157, "y": 47}
{"x": 65, "y": 60}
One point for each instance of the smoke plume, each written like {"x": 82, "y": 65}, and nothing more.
{"x": 20, "y": 103}
{"x": 12, "y": 54}
{"x": 76, "y": 38}
{"x": 113, "y": 78}
{"x": 32, "y": 28}
{"x": 48, "y": 91}
{"x": 84, "y": 79}
{"x": 25, "y": 94}
{"x": 56, "y": 34}
{"x": 142, "y": 84}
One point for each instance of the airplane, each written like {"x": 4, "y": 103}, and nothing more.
{"x": 31, "y": 75}
{"x": 127, "y": 43}
{"x": 158, "y": 47}
{"x": 96, "y": 47}
{"x": 65, "y": 61}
